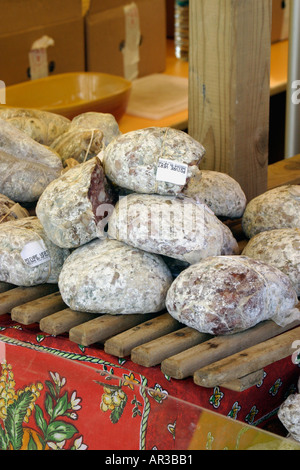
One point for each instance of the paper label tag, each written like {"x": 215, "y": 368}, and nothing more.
{"x": 35, "y": 253}
{"x": 38, "y": 61}
{"x": 131, "y": 51}
{"x": 2, "y": 92}
{"x": 171, "y": 171}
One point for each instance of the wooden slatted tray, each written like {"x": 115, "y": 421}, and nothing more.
{"x": 236, "y": 362}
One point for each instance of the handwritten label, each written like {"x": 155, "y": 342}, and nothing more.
{"x": 171, "y": 171}
{"x": 38, "y": 60}
{"x": 131, "y": 51}
{"x": 35, "y": 253}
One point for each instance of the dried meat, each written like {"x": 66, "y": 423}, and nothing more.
{"x": 228, "y": 294}
{"x": 108, "y": 276}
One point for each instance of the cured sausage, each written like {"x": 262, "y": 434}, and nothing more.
{"x": 179, "y": 228}
{"x": 27, "y": 256}
{"x": 132, "y": 160}
{"x": 277, "y": 208}
{"x": 108, "y": 276}
{"x": 72, "y": 207}
{"x": 26, "y": 167}
{"x": 105, "y": 122}
{"x": 280, "y": 248}
{"x": 289, "y": 414}
{"x": 79, "y": 144}
{"x": 42, "y": 126}
{"x": 221, "y": 193}
{"x": 227, "y": 294}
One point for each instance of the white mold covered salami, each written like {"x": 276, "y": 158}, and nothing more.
{"x": 132, "y": 160}
{"x": 42, "y": 126}
{"x": 219, "y": 191}
{"x": 177, "y": 227}
{"x": 289, "y": 414}
{"x": 26, "y": 167}
{"x": 107, "y": 276}
{"x": 27, "y": 256}
{"x": 229, "y": 294}
{"x": 72, "y": 207}
{"x": 279, "y": 248}
{"x": 277, "y": 208}
{"x": 79, "y": 144}
{"x": 105, "y": 122}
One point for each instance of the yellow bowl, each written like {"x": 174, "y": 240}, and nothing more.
{"x": 70, "y": 94}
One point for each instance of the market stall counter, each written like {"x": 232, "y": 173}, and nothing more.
{"x": 77, "y": 380}
{"x": 60, "y": 395}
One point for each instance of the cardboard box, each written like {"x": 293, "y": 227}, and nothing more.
{"x": 22, "y": 22}
{"x": 170, "y": 12}
{"x": 280, "y": 20}
{"x": 126, "y": 38}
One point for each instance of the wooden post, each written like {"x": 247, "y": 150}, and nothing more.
{"x": 229, "y": 87}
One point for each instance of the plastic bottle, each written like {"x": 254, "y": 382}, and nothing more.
{"x": 181, "y": 29}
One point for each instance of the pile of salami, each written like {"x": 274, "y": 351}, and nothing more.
{"x": 129, "y": 223}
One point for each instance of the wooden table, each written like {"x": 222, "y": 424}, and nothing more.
{"x": 284, "y": 172}
{"x": 174, "y": 66}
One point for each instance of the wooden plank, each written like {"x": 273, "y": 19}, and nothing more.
{"x": 34, "y": 311}
{"x": 186, "y": 363}
{"x": 105, "y": 326}
{"x": 284, "y": 172}
{"x": 21, "y": 295}
{"x": 4, "y": 287}
{"x": 248, "y": 360}
{"x": 155, "y": 351}
{"x": 122, "y": 344}
{"x": 229, "y": 87}
{"x": 246, "y": 382}
{"x": 63, "y": 321}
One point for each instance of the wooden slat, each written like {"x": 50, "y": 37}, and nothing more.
{"x": 104, "y": 327}
{"x": 63, "y": 321}
{"x": 34, "y": 311}
{"x": 122, "y": 344}
{"x": 155, "y": 351}
{"x": 250, "y": 360}
{"x": 186, "y": 363}
{"x": 246, "y": 382}
{"x": 21, "y": 295}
